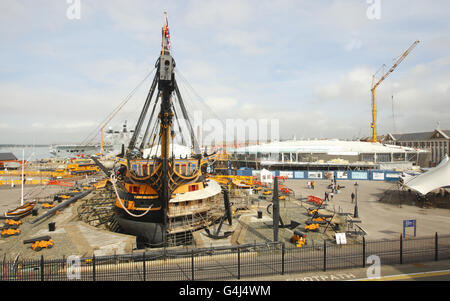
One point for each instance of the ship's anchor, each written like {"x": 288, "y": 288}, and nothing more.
{"x": 291, "y": 226}
{"x": 227, "y": 216}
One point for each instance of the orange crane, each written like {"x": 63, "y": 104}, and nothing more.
{"x": 373, "y": 125}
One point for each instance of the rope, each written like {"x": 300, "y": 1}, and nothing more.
{"x": 113, "y": 181}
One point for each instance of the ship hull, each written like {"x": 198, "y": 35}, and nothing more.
{"x": 149, "y": 231}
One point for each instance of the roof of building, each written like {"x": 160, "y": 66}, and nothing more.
{"x": 421, "y": 136}
{"x": 7, "y": 157}
{"x": 330, "y": 147}
{"x": 414, "y": 136}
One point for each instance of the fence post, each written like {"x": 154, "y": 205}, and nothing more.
{"x": 192, "y": 265}
{"x": 282, "y": 258}
{"x": 436, "y": 247}
{"x": 364, "y": 251}
{"x": 324, "y": 255}
{"x": 401, "y": 249}
{"x": 143, "y": 266}
{"x": 42, "y": 267}
{"x": 239, "y": 263}
{"x": 93, "y": 267}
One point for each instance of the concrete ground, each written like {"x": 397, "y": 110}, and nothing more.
{"x": 71, "y": 236}
{"x": 379, "y": 220}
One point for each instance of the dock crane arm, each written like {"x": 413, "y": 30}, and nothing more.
{"x": 375, "y": 85}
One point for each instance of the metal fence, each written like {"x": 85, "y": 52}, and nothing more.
{"x": 227, "y": 263}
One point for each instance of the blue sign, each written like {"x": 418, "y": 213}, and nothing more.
{"x": 409, "y": 223}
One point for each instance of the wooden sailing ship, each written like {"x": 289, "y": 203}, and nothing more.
{"x": 162, "y": 197}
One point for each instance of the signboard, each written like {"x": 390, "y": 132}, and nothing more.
{"x": 329, "y": 175}
{"x": 359, "y": 175}
{"x": 378, "y": 176}
{"x": 341, "y": 239}
{"x": 409, "y": 223}
{"x": 288, "y": 174}
{"x": 299, "y": 174}
{"x": 314, "y": 175}
{"x": 342, "y": 175}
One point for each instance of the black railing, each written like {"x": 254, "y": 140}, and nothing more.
{"x": 238, "y": 262}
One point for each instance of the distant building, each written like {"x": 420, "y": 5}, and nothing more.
{"x": 8, "y": 160}
{"x": 437, "y": 142}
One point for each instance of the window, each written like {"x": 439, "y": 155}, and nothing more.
{"x": 193, "y": 187}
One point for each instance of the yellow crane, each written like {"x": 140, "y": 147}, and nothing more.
{"x": 373, "y": 125}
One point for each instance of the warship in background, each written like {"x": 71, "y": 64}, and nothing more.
{"x": 112, "y": 145}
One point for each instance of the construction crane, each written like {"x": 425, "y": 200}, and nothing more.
{"x": 373, "y": 125}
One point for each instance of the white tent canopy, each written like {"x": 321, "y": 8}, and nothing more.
{"x": 433, "y": 179}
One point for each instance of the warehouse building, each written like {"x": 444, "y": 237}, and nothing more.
{"x": 436, "y": 142}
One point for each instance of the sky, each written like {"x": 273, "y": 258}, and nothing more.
{"x": 307, "y": 64}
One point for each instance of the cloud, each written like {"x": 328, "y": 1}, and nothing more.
{"x": 308, "y": 64}
{"x": 352, "y": 86}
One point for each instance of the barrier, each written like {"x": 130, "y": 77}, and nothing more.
{"x": 315, "y": 200}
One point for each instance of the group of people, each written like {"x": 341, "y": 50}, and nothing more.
{"x": 334, "y": 189}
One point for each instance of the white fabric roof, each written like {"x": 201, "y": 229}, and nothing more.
{"x": 433, "y": 179}
{"x": 331, "y": 147}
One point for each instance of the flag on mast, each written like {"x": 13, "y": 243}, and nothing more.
{"x": 167, "y": 33}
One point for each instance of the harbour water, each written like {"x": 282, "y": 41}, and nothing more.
{"x": 32, "y": 153}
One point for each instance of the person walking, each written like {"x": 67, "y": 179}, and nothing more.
{"x": 326, "y": 197}
{"x": 353, "y": 197}
{"x": 312, "y": 184}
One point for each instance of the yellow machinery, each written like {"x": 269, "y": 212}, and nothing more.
{"x": 39, "y": 245}
{"x": 48, "y": 206}
{"x": 313, "y": 211}
{"x": 373, "y": 125}
{"x": 320, "y": 218}
{"x": 267, "y": 192}
{"x": 82, "y": 167}
{"x": 299, "y": 239}
{"x": 311, "y": 227}
{"x": 13, "y": 222}
{"x": 10, "y": 232}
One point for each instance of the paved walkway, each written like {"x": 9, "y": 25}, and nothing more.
{"x": 417, "y": 271}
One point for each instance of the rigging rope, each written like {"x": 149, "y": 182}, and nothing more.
{"x": 113, "y": 181}
{"x": 88, "y": 140}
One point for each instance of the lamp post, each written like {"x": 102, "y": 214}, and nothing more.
{"x": 356, "y": 200}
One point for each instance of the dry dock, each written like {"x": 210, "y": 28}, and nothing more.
{"x": 74, "y": 237}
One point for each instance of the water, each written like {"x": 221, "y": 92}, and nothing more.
{"x": 32, "y": 153}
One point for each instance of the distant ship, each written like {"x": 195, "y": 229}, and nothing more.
{"x": 113, "y": 143}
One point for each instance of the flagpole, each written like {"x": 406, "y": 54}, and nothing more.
{"x": 23, "y": 163}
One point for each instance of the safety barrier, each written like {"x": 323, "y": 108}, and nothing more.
{"x": 222, "y": 263}
{"x": 372, "y": 175}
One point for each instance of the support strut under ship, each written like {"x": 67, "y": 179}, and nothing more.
{"x": 161, "y": 197}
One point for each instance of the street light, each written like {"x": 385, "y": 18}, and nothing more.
{"x": 356, "y": 201}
